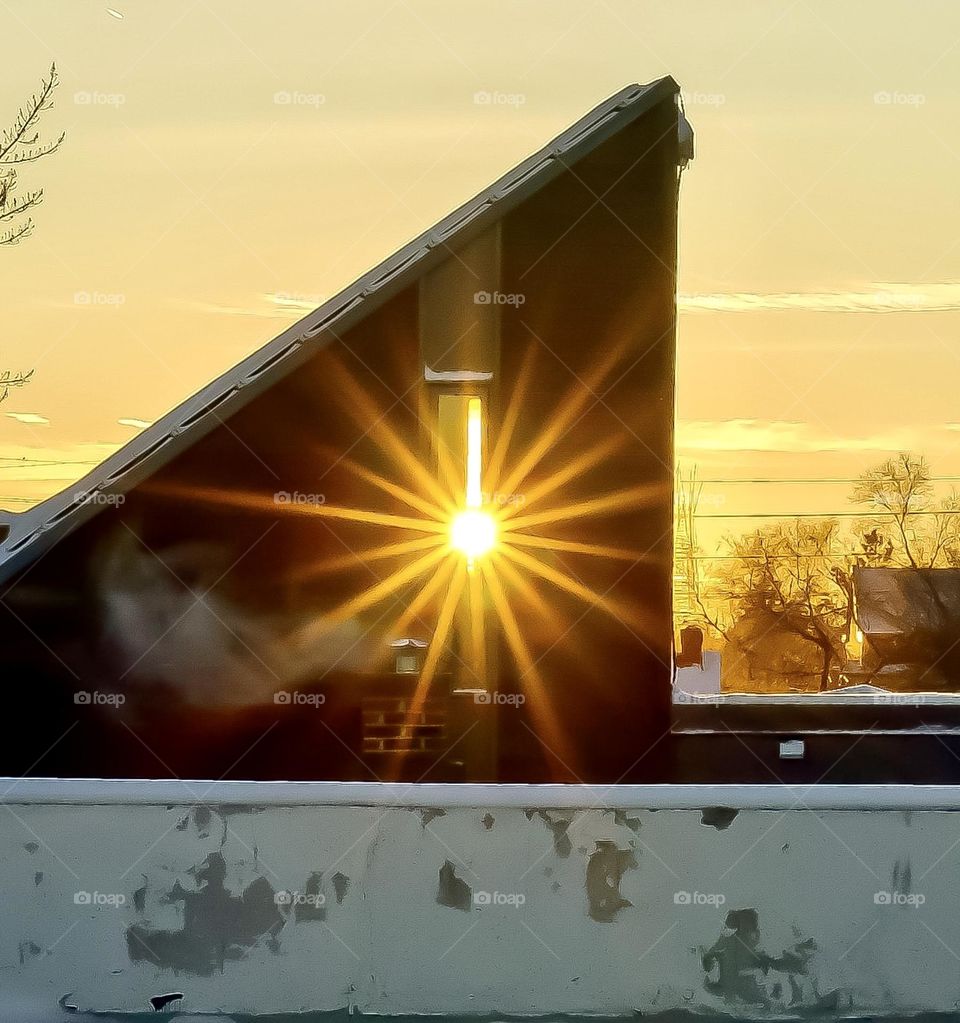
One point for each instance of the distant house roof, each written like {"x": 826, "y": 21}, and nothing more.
{"x": 904, "y": 601}
{"x": 35, "y": 530}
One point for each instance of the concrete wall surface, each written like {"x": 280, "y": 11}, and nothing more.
{"x": 396, "y": 908}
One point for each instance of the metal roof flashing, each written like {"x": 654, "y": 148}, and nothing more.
{"x": 33, "y": 531}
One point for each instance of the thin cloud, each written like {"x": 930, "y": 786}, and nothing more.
{"x": 30, "y": 418}
{"x": 137, "y": 424}
{"x": 295, "y": 303}
{"x": 216, "y": 309}
{"x": 781, "y": 435}
{"x": 272, "y": 306}
{"x": 943, "y": 296}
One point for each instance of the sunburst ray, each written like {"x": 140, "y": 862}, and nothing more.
{"x": 422, "y": 600}
{"x": 430, "y": 664}
{"x": 527, "y": 592}
{"x": 540, "y": 607}
{"x": 509, "y": 421}
{"x": 563, "y": 582}
{"x": 246, "y": 500}
{"x": 435, "y": 650}
{"x": 617, "y": 500}
{"x": 357, "y": 559}
{"x": 572, "y": 547}
{"x": 576, "y": 467}
{"x": 331, "y": 511}
{"x": 383, "y": 589}
{"x": 544, "y": 717}
{"x": 408, "y": 497}
{"x": 365, "y": 412}
{"x": 478, "y": 632}
{"x": 570, "y": 408}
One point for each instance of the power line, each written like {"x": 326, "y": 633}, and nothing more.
{"x": 810, "y": 481}
{"x": 782, "y": 557}
{"x": 820, "y": 515}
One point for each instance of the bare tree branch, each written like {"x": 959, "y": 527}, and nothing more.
{"x": 9, "y": 379}
{"x": 20, "y": 144}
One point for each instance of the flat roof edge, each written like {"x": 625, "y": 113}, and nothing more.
{"x": 167, "y": 792}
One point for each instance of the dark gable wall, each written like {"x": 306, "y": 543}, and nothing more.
{"x": 593, "y": 256}
{"x": 113, "y": 607}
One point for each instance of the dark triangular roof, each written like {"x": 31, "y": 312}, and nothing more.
{"x": 32, "y": 532}
{"x": 902, "y": 601}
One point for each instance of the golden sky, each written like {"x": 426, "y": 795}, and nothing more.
{"x": 197, "y": 215}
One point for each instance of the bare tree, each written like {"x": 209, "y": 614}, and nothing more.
{"x": 794, "y": 578}
{"x": 900, "y": 487}
{"x": 790, "y": 574}
{"x": 944, "y": 543}
{"x": 20, "y": 144}
{"x": 915, "y": 528}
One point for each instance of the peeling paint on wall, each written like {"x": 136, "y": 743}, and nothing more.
{"x": 739, "y": 971}
{"x": 622, "y": 818}
{"x": 311, "y": 903}
{"x": 719, "y": 817}
{"x": 452, "y": 891}
{"x": 759, "y": 935}
{"x": 341, "y": 883}
{"x": 558, "y": 823}
{"x": 28, "y": 949}
{"x": 217, "y": 925}
{"x": 902, "y": 876}
{"x": 605, "y": 870}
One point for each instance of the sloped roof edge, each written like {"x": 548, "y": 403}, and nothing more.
{"x": 34, "y": 531}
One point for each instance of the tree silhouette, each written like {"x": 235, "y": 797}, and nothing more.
{"x": 784, "y": 578}
{"x": 21, "y": 144}
{"x": 914, "y": 530}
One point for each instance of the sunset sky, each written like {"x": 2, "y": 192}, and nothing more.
{"x": 820, "y": 222}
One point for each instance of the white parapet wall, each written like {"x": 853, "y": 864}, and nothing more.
{"x": 474, "y": 900}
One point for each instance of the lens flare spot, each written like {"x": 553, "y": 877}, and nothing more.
{"x": 473, "y": 533}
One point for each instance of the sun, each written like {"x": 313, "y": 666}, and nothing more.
{"x": 473, "y": 533}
